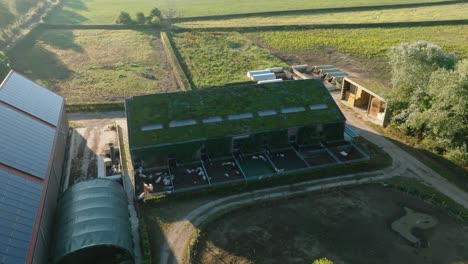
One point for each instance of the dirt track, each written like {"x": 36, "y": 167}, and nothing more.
{"x": 179, "y": 235}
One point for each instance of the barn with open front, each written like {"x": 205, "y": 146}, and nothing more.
{"x": 197, "y": 139}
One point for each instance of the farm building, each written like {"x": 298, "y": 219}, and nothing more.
{"x": 93, "y": 224}
{"x": 196, "y": 139}
{"x": 33, "y": 135}
{"x": 364, "y": 94}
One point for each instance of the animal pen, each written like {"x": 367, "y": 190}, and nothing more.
{"x": 198, "y": 139}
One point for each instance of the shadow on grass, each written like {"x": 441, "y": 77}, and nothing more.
{"x": 6, "y": 17}
{"x": 38, "y": 63}
{"x": 60, "y": 39}
{"x": 75, "y": 4}
{"x": 66, "y": 17}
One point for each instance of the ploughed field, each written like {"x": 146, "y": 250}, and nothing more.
{"x": 346, "y": 226}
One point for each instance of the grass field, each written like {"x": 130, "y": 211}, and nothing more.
{"x": 433, "y": 13}
{"x": 215, "y": 59}
{"x": 94, "y": 65}
{"x": 106, "y": 11}
{"x": 367, "y": 42}
{"x": 346, "y": 226}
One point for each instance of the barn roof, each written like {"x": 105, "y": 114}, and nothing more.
{"x": 27, "y": 96}
{"x": 92, "y": 214}
{"x": 232, "y": 110}
{"x": 29, "y": 115}
{"x": 19, "y": 202}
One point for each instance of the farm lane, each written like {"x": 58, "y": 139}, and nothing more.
{"x": 174, "y": 250}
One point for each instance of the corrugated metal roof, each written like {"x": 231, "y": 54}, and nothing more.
{"x": 25, "y": 144}
{"x": 19, "y": 201}
{"x": 31, "y": 98}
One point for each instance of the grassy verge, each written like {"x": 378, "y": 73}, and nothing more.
{"x": 446, "y": 168}
{"x": 145, "y": 242}
{"x": 431, "y": 13}
{"x": 428, "y": 194}
{"x": 87, "y": 66}
{"x": 97, "y": 107}
{"x": 178, "y": 71}
{"x": 216, "y": 58}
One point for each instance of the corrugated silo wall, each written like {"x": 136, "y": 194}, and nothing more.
{"x": 46, "y": 229}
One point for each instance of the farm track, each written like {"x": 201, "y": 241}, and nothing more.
{"x": 175, "y": 248}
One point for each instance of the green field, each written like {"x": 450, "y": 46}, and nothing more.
{"x": 106, "y": 11}
{"x": 366, "y": 43}
{"x": 433, "y": 13}
{"x": 215, "y": 59}
{"x": 93, "y": 65}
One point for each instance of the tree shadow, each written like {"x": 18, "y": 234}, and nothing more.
{"x": 39, "y": 63}
{"x": 6, "y": 17}
{"x": 65, "y": 17}
{"x": 75, "y": 4}
{"x": 61, "y": 39}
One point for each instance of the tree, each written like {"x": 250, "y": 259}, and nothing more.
{"x": 140, "y": 18}
{"x": 4, "y": 66}
{"x": 155, "y": 12}
{"x": 124, "y": 18}
{"x": 412, "y": 66}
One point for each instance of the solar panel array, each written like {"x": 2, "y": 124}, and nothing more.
{"x": 31, "y": 98}
{"x": 19, "y": 201}
{"x": 25, "y": 143}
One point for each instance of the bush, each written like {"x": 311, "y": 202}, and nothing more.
{"x": 140, "y": 18}
{"x": 124, "y": 18}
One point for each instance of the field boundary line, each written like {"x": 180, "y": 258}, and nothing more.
{"x": 181, "y": 78}
{"x": 317, "y": 11}
{"x": 328, "y": 26}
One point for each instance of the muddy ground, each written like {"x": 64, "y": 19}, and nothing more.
{"x": 348, "y": 226}
{"x": 93, "y": 133}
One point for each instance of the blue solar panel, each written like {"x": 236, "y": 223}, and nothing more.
{"x": 31, "y": 98}
{"x": 26, "y": 144}
{"x": 19, "y": 201}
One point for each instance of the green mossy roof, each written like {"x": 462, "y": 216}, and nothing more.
{"x": 163, "y": 108}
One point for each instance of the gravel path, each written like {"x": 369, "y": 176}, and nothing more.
{"x": 175, "y": 249}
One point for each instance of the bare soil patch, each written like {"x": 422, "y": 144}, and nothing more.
{"x": 347, "y": 226}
